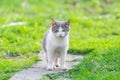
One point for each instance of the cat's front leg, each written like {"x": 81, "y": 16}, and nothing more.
{"x": 50, "y": 58}
{"x": 62, "y": 60}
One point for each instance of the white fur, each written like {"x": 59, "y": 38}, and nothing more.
{"x": 56, "y": 49}
{"x": 60, "y": 33}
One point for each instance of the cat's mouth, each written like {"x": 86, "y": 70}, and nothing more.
{"x": 61, "y": 36}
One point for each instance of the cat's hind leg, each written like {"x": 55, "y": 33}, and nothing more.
{"x": 56, "y": 59}
{"x": 56, "y": 62}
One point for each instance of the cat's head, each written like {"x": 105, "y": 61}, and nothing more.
{"x": 60, "y": 28}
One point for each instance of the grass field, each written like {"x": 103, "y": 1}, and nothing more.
{"x": 95, "y": 31}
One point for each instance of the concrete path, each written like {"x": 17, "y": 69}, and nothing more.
{"x": 38, "y": 69}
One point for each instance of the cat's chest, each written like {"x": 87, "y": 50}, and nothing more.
{"x": 58, "y": 43}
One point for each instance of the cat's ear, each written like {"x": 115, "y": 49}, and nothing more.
{"x": 53, "y": 22}
{"x": 67, "y": 22}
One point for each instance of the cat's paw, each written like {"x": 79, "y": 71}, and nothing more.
{"x": 64, "y": 68}
{"x": 50, "y": 69}
{"x": 57, "y": 65}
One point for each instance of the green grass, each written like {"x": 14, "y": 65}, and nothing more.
{"x": 10, "y": 65}
{"x": 101, "y": 64}
{"x": 95, "y": 31}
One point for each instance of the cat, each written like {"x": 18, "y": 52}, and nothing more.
{"x": 55, "y": 44}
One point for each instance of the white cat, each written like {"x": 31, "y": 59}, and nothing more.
{"x": 55, "y": 44}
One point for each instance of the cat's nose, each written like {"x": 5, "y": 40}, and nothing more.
{"x": 60, "y": 35}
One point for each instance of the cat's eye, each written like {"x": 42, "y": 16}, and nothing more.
{"x": 63, "y": 30}
{"x": 56, "y": 30}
